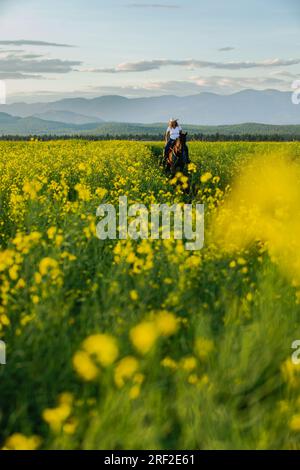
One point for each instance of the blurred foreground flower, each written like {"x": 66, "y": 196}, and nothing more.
{"x": 264, "y": 206}
{"x": 166, "y": 323}
{"x": 203, "y": 347}
{"x": 104, "y": 347}
{"x": 143, "y": 336}
{"x": 84, "y": 366}
{"x": 20, "y": 442}
{"x": 56, "y": 417}
{"x": 125, "y": 369}
{"x": 100, "y": 349}
{"x": 206, "y": 177}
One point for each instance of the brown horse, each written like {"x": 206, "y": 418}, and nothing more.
{"x": 177, "y": 157}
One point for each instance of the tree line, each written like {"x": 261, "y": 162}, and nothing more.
{"x": 216, "y": 137}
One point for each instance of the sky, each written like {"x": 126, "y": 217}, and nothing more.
{"x": 53, "y": 49}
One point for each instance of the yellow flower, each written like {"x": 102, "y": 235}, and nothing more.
{"x": 291, "y": 374}
{"x": 204, "y": 381}
{"x": 66, "y": 398}
{"x": 216, "y": 179}
{"x": 20, "y": 442}
{"x": 70, "y": 427}
{"x": 47, "y": 264}
{"x": 193, "y": 379}
{"x": 166, "y": 323}
{"x": 55, "y": 417}
{"x": 20, "y": 284}
{"x": 188, "y": 363}
{"x": 143, "y": 336}
{"x": 84, "y": 192}
{"x": 134, "y": 295}
{"x": 26, "y": 319}
{"x": 294, "y": 423}
{"x": 204, "y": 347}
{"x": 6, "y": 259}
{"x": 193, "y": 262}
{"x": 4, "y": 320}
{"x": 51, "y": 232}
{"x": 13, "y": 272}
{"x": 206, "y": 177}
{"x": 58, "y": 240}
{"x": 81, "y": 166}
{"x": 35, "y": 299}
{"x": 84, "y": 366}
{"x": 134, "y": 392}
{"x": 125, "y": 369}
{"x": 138, "y": 378}
{"x": 192, "y": 168}
{"x": 103, "y": 346}
{"x": 169, "y": 363}
{"x": 101, "y": 192}
{"x": 69, "y": 256}
{"x": 31, "y": 188}
{"x": 38, "y": 278}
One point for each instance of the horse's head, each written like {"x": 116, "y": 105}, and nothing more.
{"x": 181, "y": 141}
{"x": 183, "y": 138}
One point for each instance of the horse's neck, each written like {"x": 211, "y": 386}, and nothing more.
{"x": 178, "y": 147}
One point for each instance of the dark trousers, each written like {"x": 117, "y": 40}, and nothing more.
{"x": 170, "y": 144}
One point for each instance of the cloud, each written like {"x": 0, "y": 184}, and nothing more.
{"x": 233, "y": 84}
{"x": 28, "y": 42}
{"x": 154, "y": 5}
{"x": 151, "y": 88}
{"x": 225, "y": 49}
{"x": 32, "y": 65}
{"x": 19, "y": 76}
{"x": 194, "y": 85}
{"x": 285, "y": 73}
{"x": 11, "y": 51}
{"x": 156, "y": 64}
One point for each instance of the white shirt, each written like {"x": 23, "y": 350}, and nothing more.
{"x": 174, "y": 132}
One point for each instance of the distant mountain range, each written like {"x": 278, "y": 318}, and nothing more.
{"x": 68, "y": 117}
{"x": 17, "y": 126}
{"x": 268, "y": 106}
{"x": 116, "y": 115}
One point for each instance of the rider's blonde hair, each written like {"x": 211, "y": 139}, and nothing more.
{"x": 173, "y": 121}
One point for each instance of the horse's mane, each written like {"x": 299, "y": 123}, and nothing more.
{"x": 181, "y": 141}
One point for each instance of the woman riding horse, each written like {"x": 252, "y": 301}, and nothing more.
{"x": 176, "y": 154}
{"x": 173, "y": 133}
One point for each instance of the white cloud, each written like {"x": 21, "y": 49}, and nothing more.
{"x": 156, "y": 64}
{"x": 14, "y": 64}
{"x": 28, "y": 42}
{"x": 194, "y": 85}
{"x": 19, "y": 76}
{"x": 232, "y": 84}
